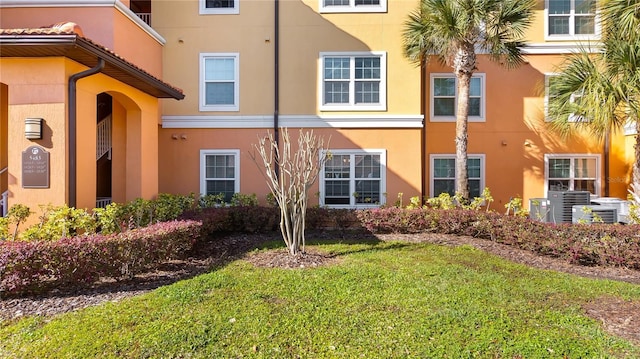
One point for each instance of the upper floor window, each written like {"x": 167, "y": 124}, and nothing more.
{"x": 220, "y": 173}
{"x": 575, "y": 98}
{"x": 443, "y": 175}
{"x": 219, "y": 7}
{"x": 572, "y": 173}
{"x": 571, "y": 18}
{"x": 354, "y": 178}
{"x": 444, "y": 97}
{"x": 353, "y": 81}
{"x": 219, "y": 85}
{"x": 353, "y": 6}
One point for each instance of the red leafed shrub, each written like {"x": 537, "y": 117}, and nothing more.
{"x": 35, "y": 266}
{"x": 256, "y": 219}
{"x": 235, "y": 219}
{"x": 586, "y": 244}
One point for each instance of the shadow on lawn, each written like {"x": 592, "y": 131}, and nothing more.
{"x": 345, "y": 237}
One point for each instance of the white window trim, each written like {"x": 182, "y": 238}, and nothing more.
{"x": 234, "y": 107}
{"x": 433, "y": 157}
{"x": 352, "y": 8}
{"x": 547, "y": 78}
{"x": 206, "y": 152}
{"x": 572, "y": 156}
{"x": 630, "y": 128}
{"x": 381, "y": 106}
{"x": 219, "y": 11}
{"x": 483, "y": 99}
{"x": 572, "y": 117}
{"x": 383, "y": 180}
{"x": 570, "y": 36}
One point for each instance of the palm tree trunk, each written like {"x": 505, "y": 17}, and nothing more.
{"x": 464, "y": 64}
{"x": 635, "y": 179}
{"x": 462, "y": 177}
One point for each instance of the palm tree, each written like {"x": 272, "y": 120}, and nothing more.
{"x": 455, "y": 32}
{"x": 607, "y": 80}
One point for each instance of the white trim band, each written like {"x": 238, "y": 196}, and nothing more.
{"x": 315, "y": 121}
{"x": 561, "y": 48}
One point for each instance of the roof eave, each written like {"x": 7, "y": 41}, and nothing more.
{"x": 116, "y": 66}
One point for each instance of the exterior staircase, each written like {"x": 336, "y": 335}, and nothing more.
{"x": 103, "y": 148}
{"x": 103, "y": 141}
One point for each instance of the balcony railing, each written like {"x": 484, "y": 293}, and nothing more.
{"x": 102, "y": 202}
{"x": 145, "y": 16}
{"x": 3, "y": 203}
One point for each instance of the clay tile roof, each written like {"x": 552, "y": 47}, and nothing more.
{"x": 65, "y": 39}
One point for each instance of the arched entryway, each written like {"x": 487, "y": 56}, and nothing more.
{"x": 104, "y": 147}
{"x": 117, "y": 148}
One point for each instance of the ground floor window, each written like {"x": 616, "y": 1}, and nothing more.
{"x": 572, "y": 173}
{"x": 443, "y": 174}
{"x": 220, "y": 173}
{"x": 354, "y": 178}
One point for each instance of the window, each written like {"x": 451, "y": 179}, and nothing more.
{"x": 220, "y": 173}
{"x": 575, "y": 98}
{"x": 444, "y": 97}
{"x": 353, "y": 6}
{"x": 219, "y": 85}
{"x": 443, "y": 175}
{"x": 567, "y": 18}
{"x": 354, "y": 178}
{"x": 219, "y": 7}
{"x": 572, "y": 173}
{"x": 355, "y": 81}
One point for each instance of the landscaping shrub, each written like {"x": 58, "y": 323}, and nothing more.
{"x": 235, "y": 219}
{"x": 35, "y": 266}
{"x": 586, "y": 244}
{"x": 320, "y": 218}
{"x": 59, "y": 222}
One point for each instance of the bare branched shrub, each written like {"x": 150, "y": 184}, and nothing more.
{"x": 290, "y": 173}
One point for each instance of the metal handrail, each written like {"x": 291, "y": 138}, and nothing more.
{"x": 4, "y": 170}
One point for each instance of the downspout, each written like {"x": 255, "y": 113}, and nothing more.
{"x": 72, "y": 127}
{"x": 276, "y": 81}
{"x": 423, "y": 130}
{"x": 607, "y": 144}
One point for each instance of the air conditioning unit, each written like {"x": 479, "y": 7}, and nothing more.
{"x": 539, "y": 209}
{"x": 621, "y": 205}
{"x": 594, "y": 213}
{"x": 561, "y": 204}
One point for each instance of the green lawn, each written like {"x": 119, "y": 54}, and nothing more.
{"x": 381, "y": 300}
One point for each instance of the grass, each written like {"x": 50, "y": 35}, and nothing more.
{"x": 382, "y": 300}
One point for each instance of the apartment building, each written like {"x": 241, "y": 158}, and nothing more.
{"x": 340, "y": 71}
{"x": 193, "y": 84}
{"x": 511, "y": 149}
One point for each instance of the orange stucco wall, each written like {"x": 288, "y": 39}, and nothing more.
{"x": 135, "y": 117}
{"x": 183, "y": 153}
{"x": 304, "y": 33}
{"x": 43, "y": 94}
{"x": 40, "y": 94}
{"x": 515, "y": 137}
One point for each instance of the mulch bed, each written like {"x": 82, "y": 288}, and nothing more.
{"x": 618, "y": 317}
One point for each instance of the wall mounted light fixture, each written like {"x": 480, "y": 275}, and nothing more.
{"x": 33, "y": 128}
